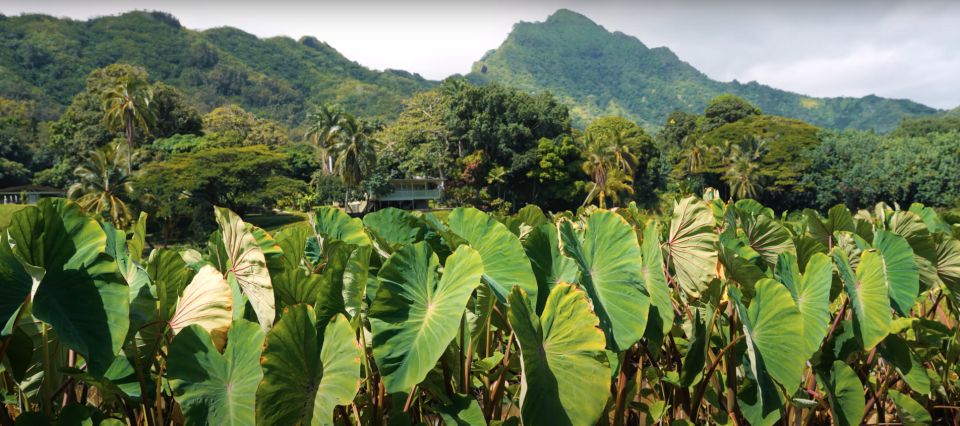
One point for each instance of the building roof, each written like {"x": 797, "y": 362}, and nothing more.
{"x": 416, "y": 180}
{"x": 31, "y": 188}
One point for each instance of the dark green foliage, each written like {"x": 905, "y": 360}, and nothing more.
{"x": 942, "y": 123}
{"x": 558, "y": 173}
{"x": 600, "y": 73}
{"x": 782, "y": 164}
{"x": 18, "y": 132}
{"x": 46, "y": 59}
{"x": 183, "y": 190}
{"x": 861, "y": 169}
{"x": 727, "y": 108}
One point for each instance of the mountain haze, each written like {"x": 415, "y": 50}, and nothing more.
{"x": 599, "y": 72}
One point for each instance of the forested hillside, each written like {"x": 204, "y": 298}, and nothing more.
{"x": 47, "y": 59}
{"x": 602, "y": 73}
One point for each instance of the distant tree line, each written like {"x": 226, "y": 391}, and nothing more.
{"x": 126, "y": 144}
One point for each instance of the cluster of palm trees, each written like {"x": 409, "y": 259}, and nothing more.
{"x": 739, "y": 160}
{"x": 104, "y": 175}
{"x": 345, "y": 145}
{"x": 610, "y": 160}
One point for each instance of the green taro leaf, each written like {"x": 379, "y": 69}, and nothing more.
{"x": 309, "y": 368}
{"x": 771, "y": 326}
{"x": 868, "y": 296}
{"x": 15, "y": 285}
{"x": 692, "y": 245}
{"x": 169, "y": 274}
{"x": 463, "y": 410}
{"x": 331, "y": 223}
{"x": 897, "y": 352}
{"x": 811, "y": 292}
{"x": 504, "y": 263}
{"x": 550, "y": 266}
{"x": 247, "y": 265}
{"x": 768, "y": 238}
{"x": 332, "y": 226}
{"x": 838, "y": 219}
{"x": 566, "y": 374}
{"x": 79, "y": 289}
{"x": 212, "y": 387}
{"x": 845, "y": 393}
{"x": 415, "y": 316}
{"x": 899, "y": 270}
{"x": 611, "y": 272}
{"x": 948, "y": 264}
{"x": 910, "y": 411}
{"x": 393, "y": 228}
{"x": 654, "y": 280}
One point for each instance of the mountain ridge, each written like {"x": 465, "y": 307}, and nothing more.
{"x": 622, "y": 76}
{"x": 593, "y": 70}
{"x": 47, "y": 59}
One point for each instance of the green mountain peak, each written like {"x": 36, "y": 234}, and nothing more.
{"x": 598, "y": 72}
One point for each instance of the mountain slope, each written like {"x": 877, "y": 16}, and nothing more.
{"x": 600, "y": 73}
{"x": 47, "y": 59}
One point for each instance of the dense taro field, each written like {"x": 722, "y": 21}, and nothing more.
{"x": 720, "y": 313}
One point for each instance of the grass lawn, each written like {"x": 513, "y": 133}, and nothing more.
{"x": 7, "y": 211}
{"x": 274, "y": 222}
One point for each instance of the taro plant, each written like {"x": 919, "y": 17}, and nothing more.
{"x": 720, "y": 313}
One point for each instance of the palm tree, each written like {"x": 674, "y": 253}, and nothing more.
{"x": 104, "y": 183}
{"x": 355, "y": 153}
{"x": 496, "y": 177}
{"x": 613, "y": 184}
{"x": 596, "y": 156}
{"x": 128, "y": 107}
{"x": 695, "y": 157}
{"x": 323, "y": 129}
{"x": 623, "y": 144}
{"x": 742, "y": 171}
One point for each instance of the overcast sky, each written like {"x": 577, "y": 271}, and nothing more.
{"x": 891, "y": 48}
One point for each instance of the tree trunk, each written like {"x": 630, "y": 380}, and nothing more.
{"x": 130, "y": 146}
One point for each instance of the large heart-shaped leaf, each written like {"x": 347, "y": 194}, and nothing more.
{"x": 247, "y": 265}
{"x": 768, "y": 238}
{"x": 170, "y": 275}
{"x": 213, "y": 387}
{"x": 415, "y": 316}
{"x": 868, "y": 294}
{"x": 610, "y": 270}
{"x": 692, "y": 245}
{"x": 895, "y": 350}
{"x": 332, "y": 226}
{"x": 15, "y": 285}
{"x": 899, "y": 270}
{"x": 309, "y": 369}
{"x": 811, "y": 292}
{"x": 915, "y": 230}
{"x": 654, "y": 280}
{"x": 566, "y": 375}
{"x": 771, "y": 326}
{"x": 206, "y": 302}
{"x": 392, "y": 228}
{"x": 550, "y": 266}
{"x": 504, "y": 263}
{"x": 845, "y": 393}
{"x": 331, "y": 223}
{"x": 948, "y": 264}
{"x": 78, "y": 288}
{"x": 911, "y": 412}
{"x": 838, "y": 219}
